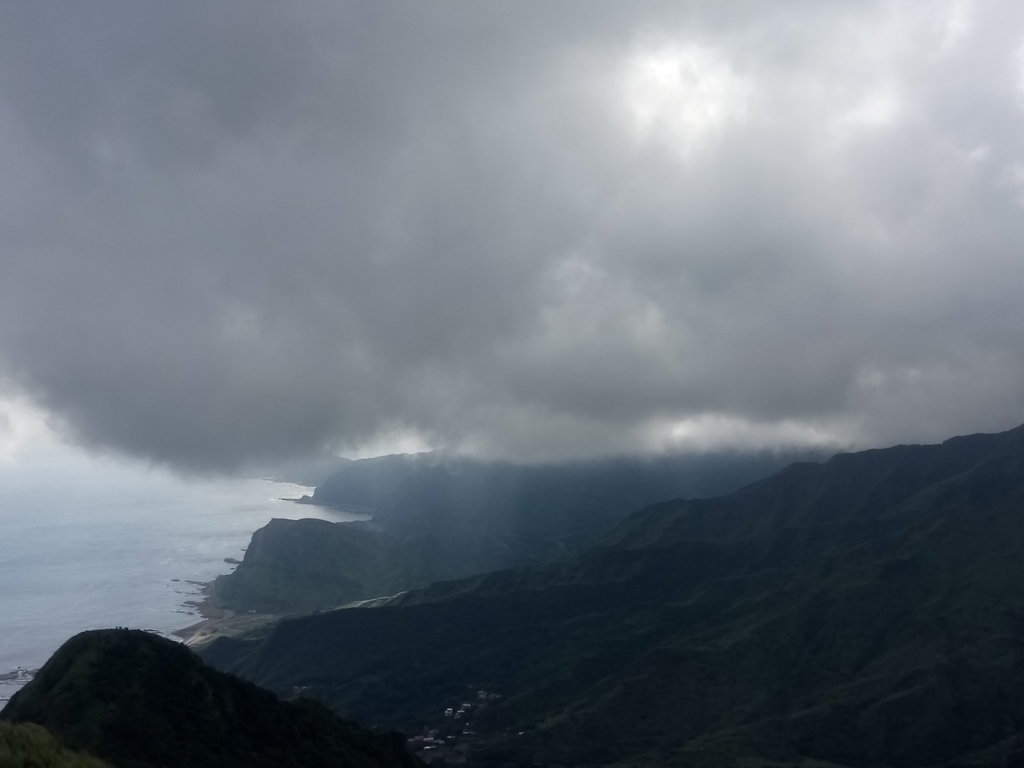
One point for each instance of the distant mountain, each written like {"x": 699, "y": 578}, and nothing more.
{"x": 438, "y": 518}
{"x": 864, "y": 611}
{"x": 437, "y": 492}
{"x": 298, "y": 566}
{"x": 140, "y": 701}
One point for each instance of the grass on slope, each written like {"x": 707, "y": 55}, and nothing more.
{"x": 31, "y": 746}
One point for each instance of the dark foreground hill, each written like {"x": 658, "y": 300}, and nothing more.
{"x": 864, "y": 611}
{"x": 140, "y": 701}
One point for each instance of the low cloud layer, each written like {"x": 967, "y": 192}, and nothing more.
{"x": 248, "y": 230}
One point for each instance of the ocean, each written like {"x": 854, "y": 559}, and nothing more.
{"x": 97, "y": 543}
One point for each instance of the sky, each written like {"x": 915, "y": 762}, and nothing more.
{"x": 250, "y": 231}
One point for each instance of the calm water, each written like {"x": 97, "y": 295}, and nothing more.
{"x": 98, "y": 544}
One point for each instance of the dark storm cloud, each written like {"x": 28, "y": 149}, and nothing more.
{"x": 242, "y": 230}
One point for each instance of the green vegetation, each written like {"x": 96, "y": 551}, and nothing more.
{"x": 140, "y": 701}
{"x": 864, "y": 611}
{"x": 31, "y": 746}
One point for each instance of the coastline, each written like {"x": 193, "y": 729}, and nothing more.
{"x": 218, "y": 622}
{"x": 172, "y": 537}
{"x": 13, "y": 681}
{"x": 349, "y": 509}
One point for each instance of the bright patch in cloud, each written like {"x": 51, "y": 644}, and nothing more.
{"x": 876, "y": 110}
{"x": 682, "y": 96}
{"x": 388, "y": 442}
{"x": 24, "y": 428}
{"x": 715, "y": 431}
{"x": 958, "y": 23}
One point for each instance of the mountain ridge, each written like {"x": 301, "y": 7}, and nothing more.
{"x": 869, "y": 610}
{"x": 439, "y": 517}
{"x": 296, "y": 566}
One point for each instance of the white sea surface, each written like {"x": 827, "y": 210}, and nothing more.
{"x": 92, "y": 543}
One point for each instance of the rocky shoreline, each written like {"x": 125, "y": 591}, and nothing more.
{"x": 217, "y": 621}
{"x": 13, "y": 681}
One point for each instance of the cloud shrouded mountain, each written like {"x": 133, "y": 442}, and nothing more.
{"x": 248, "y": 230}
